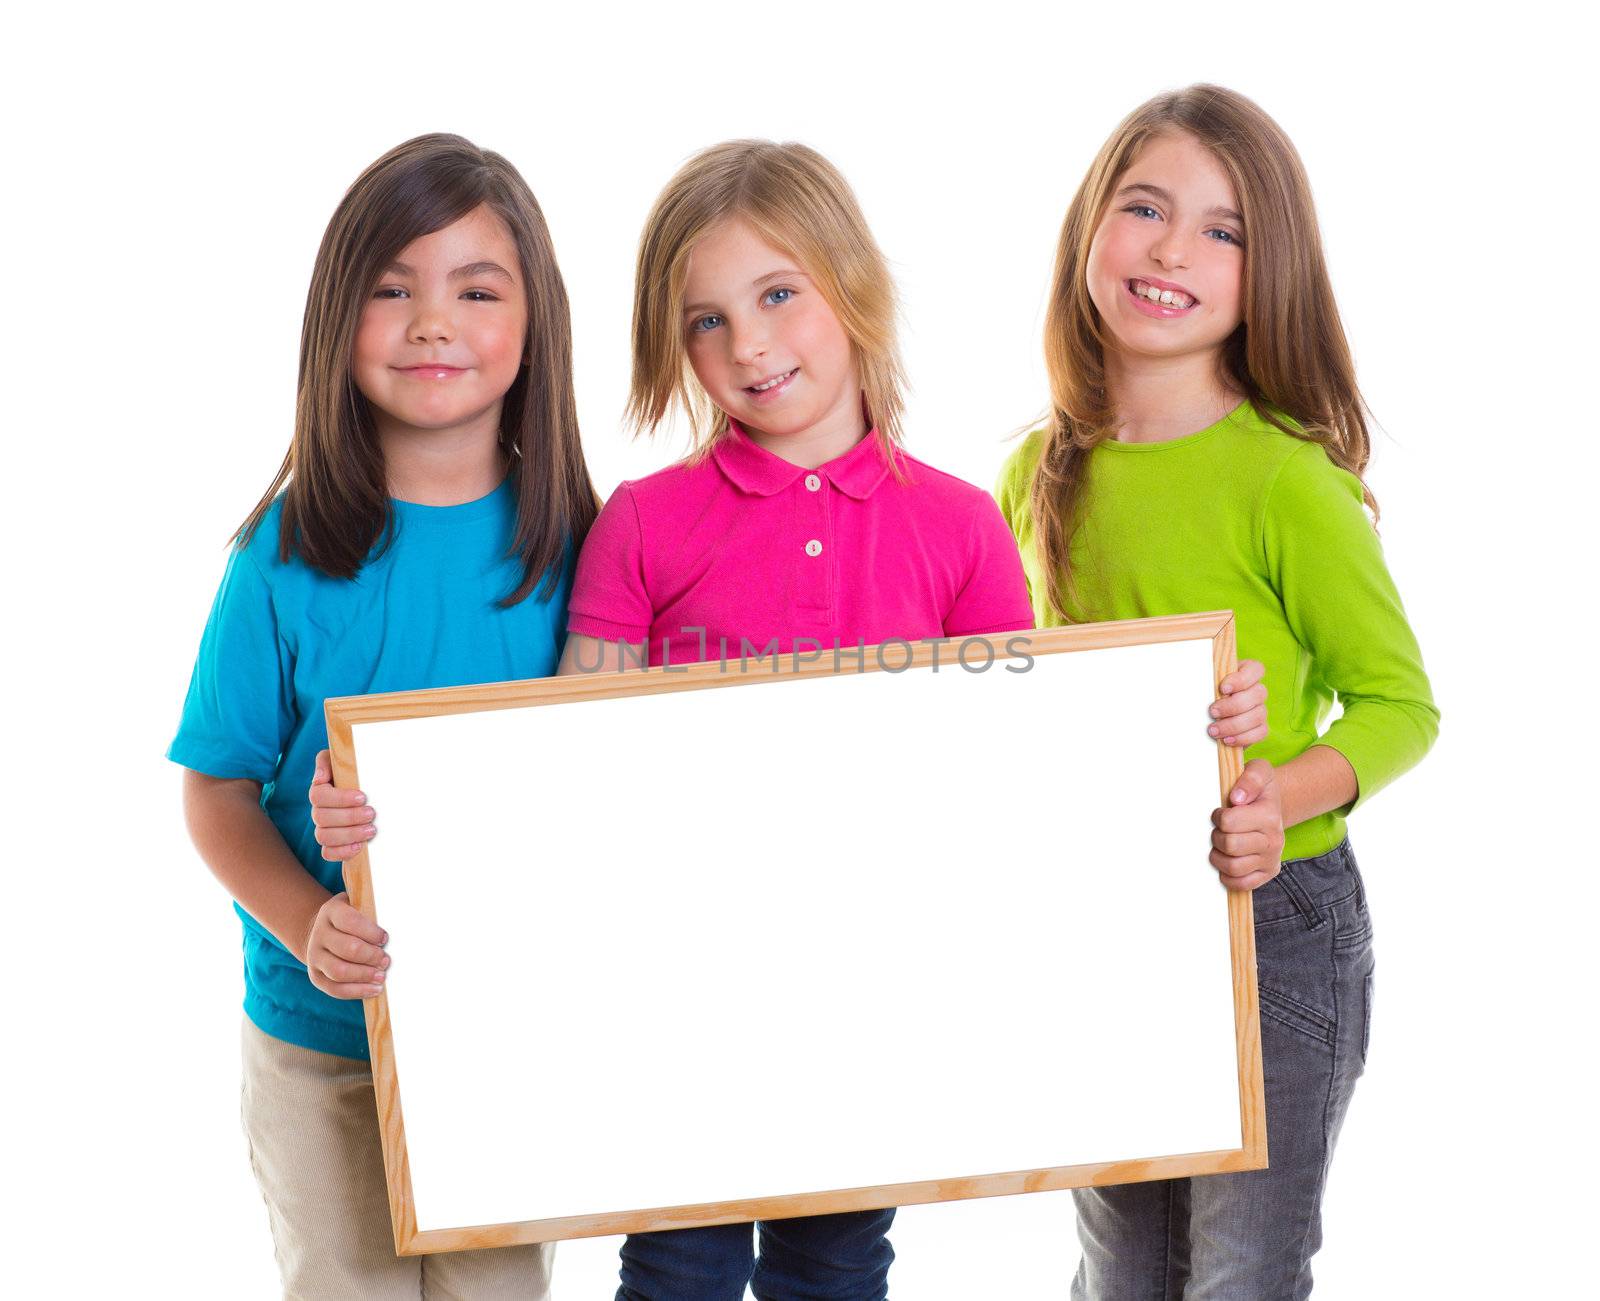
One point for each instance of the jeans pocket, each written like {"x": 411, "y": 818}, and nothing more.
{"x": 1294, "y": 1015}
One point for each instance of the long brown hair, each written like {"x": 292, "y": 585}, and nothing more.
{"x": 336, "y": 506}
{"x": 800, "y": 204}
{"x": 1289, "y": 356}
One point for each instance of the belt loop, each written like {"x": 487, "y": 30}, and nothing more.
{"x": 1301, "y": 900}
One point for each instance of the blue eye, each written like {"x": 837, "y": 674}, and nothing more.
{"x": 1226, "y": 237}
{"x": 706, "y": 323}
{"x": 772, "y": 295}
{"x": 1139, "y": 209}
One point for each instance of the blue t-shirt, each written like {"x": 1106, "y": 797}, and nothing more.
{"x": 282, "y": 637}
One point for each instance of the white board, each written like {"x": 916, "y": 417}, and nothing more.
{"x": 804, "y": 935}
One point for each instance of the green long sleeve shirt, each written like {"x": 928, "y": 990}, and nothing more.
{"x": 1243, "y": 517}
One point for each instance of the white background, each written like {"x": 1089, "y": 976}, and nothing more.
{"x": 168, "y": 174}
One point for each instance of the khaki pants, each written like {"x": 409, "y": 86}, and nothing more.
{"x": 312, "y": 1125}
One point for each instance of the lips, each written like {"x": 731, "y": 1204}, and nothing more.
{"x": 1161, "y": 291}
{"x": 772, "y": 382}
{"x": 772, "y": 387}
{"x": 432, "y": 370}
{"x": 1159, "y": 298}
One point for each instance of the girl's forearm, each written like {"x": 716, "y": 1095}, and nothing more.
{"x": 245, "y": 852}
{"x": 1314, "y": 783}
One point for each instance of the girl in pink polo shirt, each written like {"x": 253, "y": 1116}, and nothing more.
{"x": 799, "y": 522}
{"x": 799, "y": 526}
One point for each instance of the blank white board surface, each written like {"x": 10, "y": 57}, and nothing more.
{"x": 803, "y": 935}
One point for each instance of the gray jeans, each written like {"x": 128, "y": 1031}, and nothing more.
{"x": 1250, "y": 1237}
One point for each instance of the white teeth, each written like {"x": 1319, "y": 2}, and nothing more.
{"x": 1165, "y": 297}
{"x": 771, "y": 383}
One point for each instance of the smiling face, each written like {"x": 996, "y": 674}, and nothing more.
{"x": 767, "y": 347}
{"x": 443, "y": 335}
{"x": 1166, "y": 266}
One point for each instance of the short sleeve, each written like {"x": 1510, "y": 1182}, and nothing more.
{"x": 994, "y": 597}
{"x": 1325, "y": 561}
{"x": 239, "y": 714}
{"x": 609, "y": 599}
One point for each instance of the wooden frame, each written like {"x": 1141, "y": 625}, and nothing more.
{"x": 343, "y": 713}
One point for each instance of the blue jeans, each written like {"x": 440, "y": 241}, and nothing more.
{"x": 1251, "y": 1236}
{"x": 810, "y": 1258}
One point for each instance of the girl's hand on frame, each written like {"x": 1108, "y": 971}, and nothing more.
{"x": 344, "y": 820}
{"x": 1247, "y": 835}
{"x": 1241, "y": 710}
{"x": 344, "y": 952}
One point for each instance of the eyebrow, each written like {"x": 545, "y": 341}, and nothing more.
{"x": 787, "y": 273}
{"x": 1217, "y": 211}
{"x": 471, "y": 271}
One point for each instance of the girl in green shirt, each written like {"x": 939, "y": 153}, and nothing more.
{"x": 1204, "y": 451}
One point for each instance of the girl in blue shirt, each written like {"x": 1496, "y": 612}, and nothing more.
{"x": 420, "y": 533}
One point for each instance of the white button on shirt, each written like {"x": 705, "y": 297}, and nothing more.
{"x": 813, "y": 482}
{"x": 813, "y": 548}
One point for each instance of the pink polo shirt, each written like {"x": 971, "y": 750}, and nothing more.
{"x": 753, "y": 549}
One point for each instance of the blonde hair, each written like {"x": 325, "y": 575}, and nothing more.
{"x": 1289, "y": 355}
{"x": 799, "y": 203}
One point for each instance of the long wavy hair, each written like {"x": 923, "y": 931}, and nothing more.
{"x": 800, "y": 204}
{"x": 1289, "y": 356}
{"x": 336, "y": 511}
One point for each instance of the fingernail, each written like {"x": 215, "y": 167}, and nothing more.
{"x": 385, "y": 961}
{"x": 1212, "y": 730}
{"x": 1215, "y": 712}
{"x": 385, "y": 937}
{"x": 379, "y": 978}
{"x": 369, "y": 832}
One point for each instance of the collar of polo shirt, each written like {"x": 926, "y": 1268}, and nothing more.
{"x": 755, "y": 470}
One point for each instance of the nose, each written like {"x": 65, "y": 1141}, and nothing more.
{"x": 430, "y": 322}
{"x": 748, "y": 340}
{"x": 1171, "y": 249}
